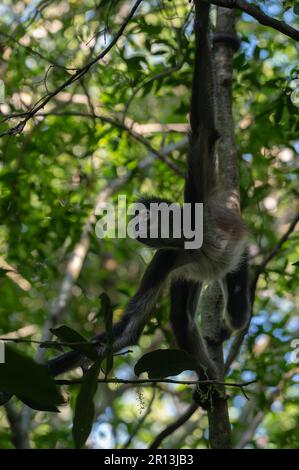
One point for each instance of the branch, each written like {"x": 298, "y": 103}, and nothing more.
{"x": 154, "y": 381}
{"x": 259, "y": 15}
{"x": 73, "y": 78}
{"x": 253, "y": 421}
{"x": 171, "y": 428}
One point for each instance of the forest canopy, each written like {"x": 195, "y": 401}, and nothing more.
{"x": 95, "y": 99}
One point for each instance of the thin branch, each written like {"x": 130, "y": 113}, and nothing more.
{"x": 154, "y": 381}
{"x": 27, "y": 330}
{"x": 73, "y": 78}
{"x": 171, "y": 428}
{"x": 259, "y": 15}
{"x": 55, "y": 344}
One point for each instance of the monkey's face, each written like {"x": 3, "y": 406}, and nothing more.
{"x": 158, "y": 223}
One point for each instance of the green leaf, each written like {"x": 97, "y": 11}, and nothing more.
{"x": 296, "y": 263}
{"x": 107, "y": 313}
{"x": 29, "y": 381}
{"x": 84, "y": 408}
{"x": 164, "y": 363}
{"x": 296, "y": 8}
{"x": 68, "y": 335}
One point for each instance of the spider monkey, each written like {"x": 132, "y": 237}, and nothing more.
{"x": 222, "y": 256}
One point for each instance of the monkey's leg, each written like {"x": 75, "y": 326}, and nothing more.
{"x": 128, "y": 330}
{"x": 238, "y": 304}
{"x": 184, "y": 297}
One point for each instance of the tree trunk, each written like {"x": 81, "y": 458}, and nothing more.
{"x": 212, "y": 302}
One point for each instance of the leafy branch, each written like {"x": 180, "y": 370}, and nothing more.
{"x": 259, "y": 15}
{"x": 73, "y": 78}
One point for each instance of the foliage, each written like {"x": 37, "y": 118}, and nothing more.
{"x": 82, "y": 141}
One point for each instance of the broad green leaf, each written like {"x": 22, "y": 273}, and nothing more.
{"x": 164, "y": 363}
{"x": 84, "y": 408}
{"x": 29, "y": 381}
{"x": 70, "y": 336}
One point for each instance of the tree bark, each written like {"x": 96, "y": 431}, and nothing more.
{"x": 212, "y": 301}
{"x": 211, "y": 307}
{"x": 223, "y": 57}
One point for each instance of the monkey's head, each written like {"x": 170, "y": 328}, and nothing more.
{"x": 158, "y": 223}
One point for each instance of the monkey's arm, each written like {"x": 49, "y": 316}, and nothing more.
{"x": 184, "y": 296}
{"x": 128, "y": 330}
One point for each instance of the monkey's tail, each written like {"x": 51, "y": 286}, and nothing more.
{"x": 128, "y": 330}
{"x": 201, "y": 157}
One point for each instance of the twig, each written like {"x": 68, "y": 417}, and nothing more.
{"x": 171, "y": 428}
{"x": 48, "y": 344}
{"x": 259, "y": 15}
{"x": 153, "y": 381}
